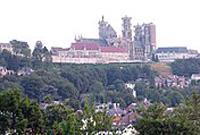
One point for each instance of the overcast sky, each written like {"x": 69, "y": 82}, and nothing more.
{"x": 56, "y": 22}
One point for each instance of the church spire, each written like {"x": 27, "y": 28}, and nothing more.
{"x": 102, "y": 18}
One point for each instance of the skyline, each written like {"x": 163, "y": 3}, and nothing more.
{"x": 56, "y": 23}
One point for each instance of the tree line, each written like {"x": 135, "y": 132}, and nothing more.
{"x": 78, "y": 83}
{"x": 19, "y": 114}
{"x": 186, "y": 67}
{"x": 184, "y": 119}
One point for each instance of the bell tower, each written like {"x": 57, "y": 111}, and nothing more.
{"x": 127, "y": 35}
{"x": 102, "y": 28}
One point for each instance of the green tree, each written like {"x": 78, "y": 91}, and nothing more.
{"x": 57, "y": 113}
{"x": 189, "y": 112}
{"x": 19, "y": 113}
{"x": 157, "y": 121}
{"x": 20, "y": 47}
{"x": 97, "y": 92}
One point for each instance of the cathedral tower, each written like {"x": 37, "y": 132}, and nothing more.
{"x": 127, "y": 35}
{"x": 102, "y": 28}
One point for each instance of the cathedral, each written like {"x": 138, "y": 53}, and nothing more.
{"x": 139, "y": 45}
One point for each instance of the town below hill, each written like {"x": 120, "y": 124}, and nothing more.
{"x": 119, "y": 89}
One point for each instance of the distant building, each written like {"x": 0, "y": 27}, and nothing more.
{"x": 195, "y": 77}
{"x": 109, "y": 47}
{"x": 127, "y": 35}
{"x": 171, "y": 81}
{"x": 85, "y": 50}
{"x": 172, "y": 53}
{"x": 144, "y": 41}
{"x": 132, "y": 87}
{"x": 114, "y": 54}
{"x": 4, "y": 71}
{"x": 25, "y": 71}
{"x": 6, "y": 46}
{"x": 89, "y": 53}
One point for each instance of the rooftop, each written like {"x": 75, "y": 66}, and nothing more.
{"x": 113, "y": 49}
{"x": 172, "y": 49}
{"x": 85, "y": 46}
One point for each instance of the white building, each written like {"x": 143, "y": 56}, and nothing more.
{"x": 172, "y": 53}
{"x": 195, "y": 77}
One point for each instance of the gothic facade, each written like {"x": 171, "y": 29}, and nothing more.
{"x": 139, "y": 42}
{"x": 144, "y": 40}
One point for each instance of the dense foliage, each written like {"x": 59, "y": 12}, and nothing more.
{"x": 186, "y": 67}
{"x": 19, "y": 114}
{"x": 184, "y": 120}
{"x": 78, "y": 83}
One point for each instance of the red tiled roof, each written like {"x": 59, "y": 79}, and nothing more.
{"x": 86, "y": 46}
{"x": 113, "y": 49}
{"x": 117, "y": 119}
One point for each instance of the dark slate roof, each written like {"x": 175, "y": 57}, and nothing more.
{"x": 172, "y": 49}
{"x": 5, "y": 45}
{"x": 101, "y": 42}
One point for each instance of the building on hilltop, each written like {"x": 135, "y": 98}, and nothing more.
{"x": 109, "y": 47}
{"x": 127, "y": 35}
{"x": 6, "y": 46}
{"x": 89, "y": 53}
{"x": 107, "y": 35}
{"x": 114, "y": 54}
{"x": 172, "y": 53}
{"x": 85, "y": 50}
{"x": 106, "y": 32}
{"x": 144, "y": 40}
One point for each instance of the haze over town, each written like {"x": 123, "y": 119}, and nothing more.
{"x": 56, "y": 23}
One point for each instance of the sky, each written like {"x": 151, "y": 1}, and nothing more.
{"x": 56, "y": 22}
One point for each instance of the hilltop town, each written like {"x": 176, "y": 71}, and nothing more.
{"x": 136, "y": 44}
{"x": 99, "y": 85}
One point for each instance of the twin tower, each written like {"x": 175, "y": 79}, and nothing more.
{"x": 139, "y": 45}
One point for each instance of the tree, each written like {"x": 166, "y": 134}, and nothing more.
{"x": 56, "y": 114}
{"x": 38, "y": 55}
{"x": 97, "y": 92}
{"x": 32, "y": 86}
{"x": 41, "y": 56}
{"x": 157, "y": 121}
{"x": 20, "y": 47}
{"x": 189, "y": 112}
{"x": 19, "y": 113}
{"x": 95, "y": 122}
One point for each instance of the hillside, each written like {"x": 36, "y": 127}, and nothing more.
{"x": 162, "y": 68}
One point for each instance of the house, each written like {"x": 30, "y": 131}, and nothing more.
{"x": 117, "y": 121}
{"x": 171, "y": 81}
{"x": 25, "y": 71}
{"x": 102, "y": 107}
{"x": 131, "y": 86}
{"x": 114, "y": 54}
{"x": 116, "y": 110}
{"x": 172, "y": 53}
{"x": 195, "y": 77}
{"x": 131, "y": 107}
{"x": 10, "y": 72}
{"x": 6, "y": 46}
{"x": 129, "y": 118}
{"x": 3, "y": 71}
